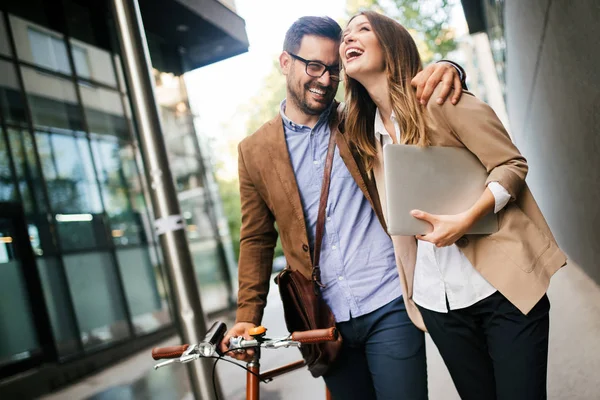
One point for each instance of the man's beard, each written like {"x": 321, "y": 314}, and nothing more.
{"x": 300, "y": 99}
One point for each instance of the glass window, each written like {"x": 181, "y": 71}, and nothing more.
{"x": 120, "y": 190}
{"x": 208, "y": 267}
{"x": 82, "y": 63}
{"x": 93, "y": 63}
{"x": 69, "y": 173}
{"x": 57, "y": 302}
{"x": 93, "y": 283}
{"x": 104, "y": 111}
{"x": 73, "y": 191}
{"x": 8, "y": 190}
{"x": 17, "y": 328}
{"x": 140, "y": 282}
{"x": 12, "y": 106}
{"x": 4, "y": 45}
{"x": 48, "y": 50}
{"x": 28, "y": 176}
{"x": 53, "y": 101}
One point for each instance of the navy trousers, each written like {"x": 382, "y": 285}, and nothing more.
{"x": 383, "y": 357}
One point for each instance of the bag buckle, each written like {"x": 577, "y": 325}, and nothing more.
{"x": 316, "y": 278}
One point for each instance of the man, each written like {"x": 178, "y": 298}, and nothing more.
{"x": 281, "y": 171}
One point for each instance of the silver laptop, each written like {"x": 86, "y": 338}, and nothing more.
{"x": 438, "y": 180}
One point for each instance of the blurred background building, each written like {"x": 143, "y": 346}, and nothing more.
{"x": 546, "y": 58}
{"x": 87, "y": 288}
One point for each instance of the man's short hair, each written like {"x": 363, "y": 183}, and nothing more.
{"x": 317, "y": 26}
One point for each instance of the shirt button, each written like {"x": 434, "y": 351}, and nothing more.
{"x": 340, "y": 278}
{"x": 328, "y": 218}
{"x": 462, "y": 242}
{"x": 334, "y": 247}
{"x": 316, "y": 162}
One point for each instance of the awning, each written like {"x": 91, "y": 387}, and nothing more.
{"x": 475, "y": 15}
{"x": 202, "y": 31}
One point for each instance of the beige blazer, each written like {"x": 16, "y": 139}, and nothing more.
{"x": 520, "y": 258}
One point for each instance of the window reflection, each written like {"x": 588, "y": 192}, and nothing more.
{"x": 49, "y": 50}
{"x": 28, "y": 176}
{"x": 52, "y": 100}
{"x": 120, "y": 186}
{"x": 4, "y": 46}
{"x": 95, "y": 291}
{"x": 69, "y": 173}
{"x": 104, "y": 111}
{"x": 11, "y": 100}
{"x": 18, "y": 336}
{"x": 57, "y": 304}
{"x": 7, "y": 188}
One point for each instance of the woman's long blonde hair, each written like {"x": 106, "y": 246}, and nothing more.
{"x": 402, "y": 63}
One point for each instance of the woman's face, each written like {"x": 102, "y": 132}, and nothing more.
{"x": 360, "y": 50}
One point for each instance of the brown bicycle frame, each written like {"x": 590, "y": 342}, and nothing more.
{"x": 254, "y": 377}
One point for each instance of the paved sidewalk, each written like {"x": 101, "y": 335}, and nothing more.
{"x": 573, "y": 374}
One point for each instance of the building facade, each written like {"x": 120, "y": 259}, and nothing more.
{"x": 547, "y": 52}
{"x": 89, "y": 280}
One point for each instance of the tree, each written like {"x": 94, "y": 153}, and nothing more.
{"x": 426, "y": 20}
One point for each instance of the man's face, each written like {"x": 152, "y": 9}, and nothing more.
{"x": 312, "y": 95}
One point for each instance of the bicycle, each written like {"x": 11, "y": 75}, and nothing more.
{"x": 209, "y": 348}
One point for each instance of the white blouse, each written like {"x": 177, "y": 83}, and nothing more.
{"x": 445, "y": 273}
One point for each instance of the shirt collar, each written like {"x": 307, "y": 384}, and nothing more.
{"x": 380, "y": 127}
{"x": 289, "y": 124}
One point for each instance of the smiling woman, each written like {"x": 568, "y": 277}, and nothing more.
{"x": 486, "y": 312}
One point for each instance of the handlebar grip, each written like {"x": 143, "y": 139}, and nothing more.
{"x": 159, "y": 353}
{"x": 316, "y": 335}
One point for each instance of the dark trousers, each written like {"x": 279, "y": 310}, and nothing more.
{"x": 383, "y": 357}
{"x": 492, "y": 350}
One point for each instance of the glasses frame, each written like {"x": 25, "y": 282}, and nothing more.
{"x": 334, "y": 77}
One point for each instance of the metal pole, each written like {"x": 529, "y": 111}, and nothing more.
{"x": 169, "y": 223}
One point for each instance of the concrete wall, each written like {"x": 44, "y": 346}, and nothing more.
{"x": 553, "y": 102}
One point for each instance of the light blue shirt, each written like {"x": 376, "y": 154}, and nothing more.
{"x": 358, "y": 266}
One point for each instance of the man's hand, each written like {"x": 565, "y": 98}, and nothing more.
{"x": 239, "y": 329}
{"x": 427, "y": 80}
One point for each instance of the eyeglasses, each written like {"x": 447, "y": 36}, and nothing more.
{"x": 317, "y": 69}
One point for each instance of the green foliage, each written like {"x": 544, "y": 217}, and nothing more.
{"x": 427, "y": 20}
{"x": 230, "y": 196}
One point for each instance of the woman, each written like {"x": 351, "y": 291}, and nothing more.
{"x": 481, "y": 297}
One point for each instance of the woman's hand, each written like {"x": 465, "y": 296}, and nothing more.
{"x": 447, "y": 229}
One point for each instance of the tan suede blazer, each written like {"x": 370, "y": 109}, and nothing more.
{"x": 520, "y": 258}
{"x": 269, "y": 194}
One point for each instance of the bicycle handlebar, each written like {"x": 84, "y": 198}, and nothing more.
{"x": 161, "y": 353}
{"x": 186, "y": 353}
{"x": 315, "y": 336}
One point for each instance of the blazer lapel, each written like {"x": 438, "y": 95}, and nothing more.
{"x": 277, "y": 148}
{"x": 363, "y": 181}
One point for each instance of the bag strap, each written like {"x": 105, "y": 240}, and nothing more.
{"x": 316, "y": 271}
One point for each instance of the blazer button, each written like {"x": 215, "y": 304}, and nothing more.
{"x": 305, "y": 247}
{"x": 462, "y": 242}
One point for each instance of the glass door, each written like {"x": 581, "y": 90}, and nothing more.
{"x": 25, "y": 336}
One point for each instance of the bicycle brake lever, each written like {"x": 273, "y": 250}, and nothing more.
{"x": 185, "y": 358}
{"x": 286, "y": 344}
{"x": 165, "y": 363}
